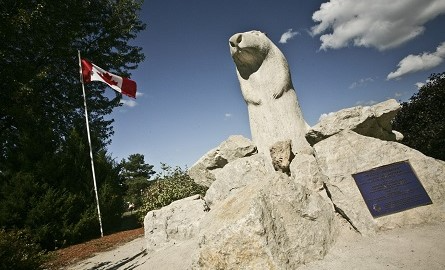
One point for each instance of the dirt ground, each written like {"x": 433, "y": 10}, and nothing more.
{"x": 72, "y": 254}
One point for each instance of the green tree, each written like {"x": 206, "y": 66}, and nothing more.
{"x": 45, "y": 177}
{"x": 41, "y": 99}
{"x": 136, "y": 175}
{"x": 421, "y": 119}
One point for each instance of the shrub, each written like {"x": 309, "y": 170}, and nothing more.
{"x": 169, "y": 186}
{"x": 60, "y": 209}
{"x": 18, "y": 251}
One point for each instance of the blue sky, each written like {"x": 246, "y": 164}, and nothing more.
{"x": 342, "y": 53}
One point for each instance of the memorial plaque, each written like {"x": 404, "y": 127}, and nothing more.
{"x": 391, "y": 188}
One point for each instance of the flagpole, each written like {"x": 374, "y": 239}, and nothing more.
{"x": 89, "y": 142}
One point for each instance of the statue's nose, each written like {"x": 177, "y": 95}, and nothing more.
{"x": 235, "y": 40}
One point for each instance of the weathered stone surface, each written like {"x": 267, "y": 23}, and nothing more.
{"x": 305, "y": 171}
{"x": 374, "y": 121}
{"x": 347, "y": 153}
{"x": 236, "y": 146}
{"x": 275, "y": 224}
{"x": 399, "y": 136}
{"x": 282, "y": 155}
{"x": 174, "y": 223}
{"x": 202, "y": 175}
{"x": 234, "y": 176}
{"x": 266, "y": 85}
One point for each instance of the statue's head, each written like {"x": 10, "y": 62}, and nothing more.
{"x": 248, "y": 51}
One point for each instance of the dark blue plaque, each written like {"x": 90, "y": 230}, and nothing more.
{"x": 391, "y": 188}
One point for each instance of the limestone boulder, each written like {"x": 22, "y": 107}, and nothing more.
{"x": 347, "y": 153}
{"x": 305, "y": 171}
{"x": 282, "y": 155}
{"x": 399, "y": 136}
{"x": 272, "y": 224}
{"x": 174, "y": 223}
{"x": 202, "y": 174}
{"x": 373, "y": 121}
{"x": 234, "y": 176}
{"x": 236, "y": 146}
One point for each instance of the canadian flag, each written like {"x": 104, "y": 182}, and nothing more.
{"x": 91, "y": 72}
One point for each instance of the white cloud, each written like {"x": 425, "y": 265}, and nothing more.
{"x": 398, "y": 94}
{"x": 381, "y": 24}
{"x": 419, "y": 84}
{"x": 414, "y": 63}
{"x": 129, "y": 102}
{"x": 289, "y": 34}
{"x": 139, "y": 94}
{"x": 228, "y": 115}
{"x": 361, "y": 82}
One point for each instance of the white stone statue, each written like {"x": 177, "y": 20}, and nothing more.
{"x": 266, "y": 85}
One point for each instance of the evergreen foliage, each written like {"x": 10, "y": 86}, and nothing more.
{"x": 136, "y": 175}
{"x": 19, "y": 252}
{"x": 46, "y": 185}
{"x": 421, "y": 120}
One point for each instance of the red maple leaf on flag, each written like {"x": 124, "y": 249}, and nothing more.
{"x": 108, "y": 78}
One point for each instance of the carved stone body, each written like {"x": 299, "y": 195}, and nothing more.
{"x": 266, "y": 85}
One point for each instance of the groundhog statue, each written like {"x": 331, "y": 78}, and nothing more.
{"x": 266, "y": 85}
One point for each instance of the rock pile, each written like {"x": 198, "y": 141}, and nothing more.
{"x": 255, "y": 217}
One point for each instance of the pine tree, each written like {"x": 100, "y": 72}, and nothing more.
{"x": 136, "y": 175}
{"x": 45, "y": 177}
